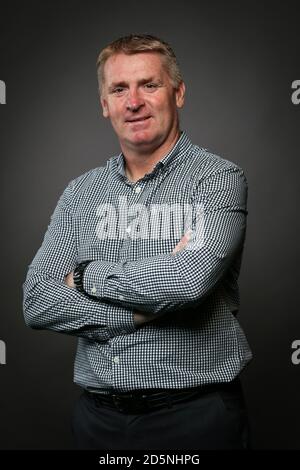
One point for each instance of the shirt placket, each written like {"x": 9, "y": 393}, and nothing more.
{"x": 136, "y": 195}
{"x": 116, "y": 344}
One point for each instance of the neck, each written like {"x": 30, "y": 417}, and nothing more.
{"x": 138, "y": 163}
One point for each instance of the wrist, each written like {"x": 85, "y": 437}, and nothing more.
{"x": 78, "y": 275}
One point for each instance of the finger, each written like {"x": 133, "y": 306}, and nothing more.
{"x": 183, "y": 242}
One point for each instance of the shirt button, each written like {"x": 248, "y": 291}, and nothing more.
{"x": 116, "y": 359}
{"x": 121, "y": 297}
{"x": 138, "y": 189}
{"x": 128, "y": 230}
{"x": 93, "y": 290}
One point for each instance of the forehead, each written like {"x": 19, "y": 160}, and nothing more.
{"x": 124, "y": 67}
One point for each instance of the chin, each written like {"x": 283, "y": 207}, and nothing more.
{"x": 141, "y": 140}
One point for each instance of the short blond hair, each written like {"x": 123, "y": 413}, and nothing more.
{"x": 136, "y": 43}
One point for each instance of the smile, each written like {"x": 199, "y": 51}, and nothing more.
{"x": 141, "y": 119}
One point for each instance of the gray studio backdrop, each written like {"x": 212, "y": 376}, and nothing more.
{"x": 239, "y": 61}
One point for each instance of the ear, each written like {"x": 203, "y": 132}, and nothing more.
{"x": 104, "y": 106}
{"x": 180, "y": 92}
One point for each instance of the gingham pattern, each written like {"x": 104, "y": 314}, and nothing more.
{"x": 195, "y": 337}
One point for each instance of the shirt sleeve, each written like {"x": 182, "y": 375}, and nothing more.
{"x": 50, "y": 304}
{"x": 168, "y": 281}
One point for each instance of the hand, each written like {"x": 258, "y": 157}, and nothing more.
{"x": 183, "y": 242}
{"x": 69, "y": 281}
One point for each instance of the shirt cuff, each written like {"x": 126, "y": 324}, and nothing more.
{"x": 120, "y": 321}
{"x": 94, "y": 277}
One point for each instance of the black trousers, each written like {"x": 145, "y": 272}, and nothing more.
{"x": 214, "y": 420}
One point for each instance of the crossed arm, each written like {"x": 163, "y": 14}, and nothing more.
{"x": 171, "y": 281}
{"x": 49, "y": 303}
{"x": 139, "y": 318}
{"x": 133, "y": 292}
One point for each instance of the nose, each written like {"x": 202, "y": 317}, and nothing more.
{"x": 134, "y": 101}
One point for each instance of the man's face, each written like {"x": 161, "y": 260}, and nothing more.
{"x": 140, "y": 101}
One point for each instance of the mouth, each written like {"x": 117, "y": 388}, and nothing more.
{"x": 139, "y": 119}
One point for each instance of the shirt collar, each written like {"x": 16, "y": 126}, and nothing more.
{"x": 173, "y": 157}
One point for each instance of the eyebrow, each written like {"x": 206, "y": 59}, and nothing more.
{"x": 140, "y": 82}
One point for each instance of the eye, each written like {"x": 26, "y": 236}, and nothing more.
{"x": 151, "y": 86}
{"x": 118, "y": 90}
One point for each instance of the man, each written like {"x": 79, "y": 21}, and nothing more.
{"x": 141, "y": 261}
